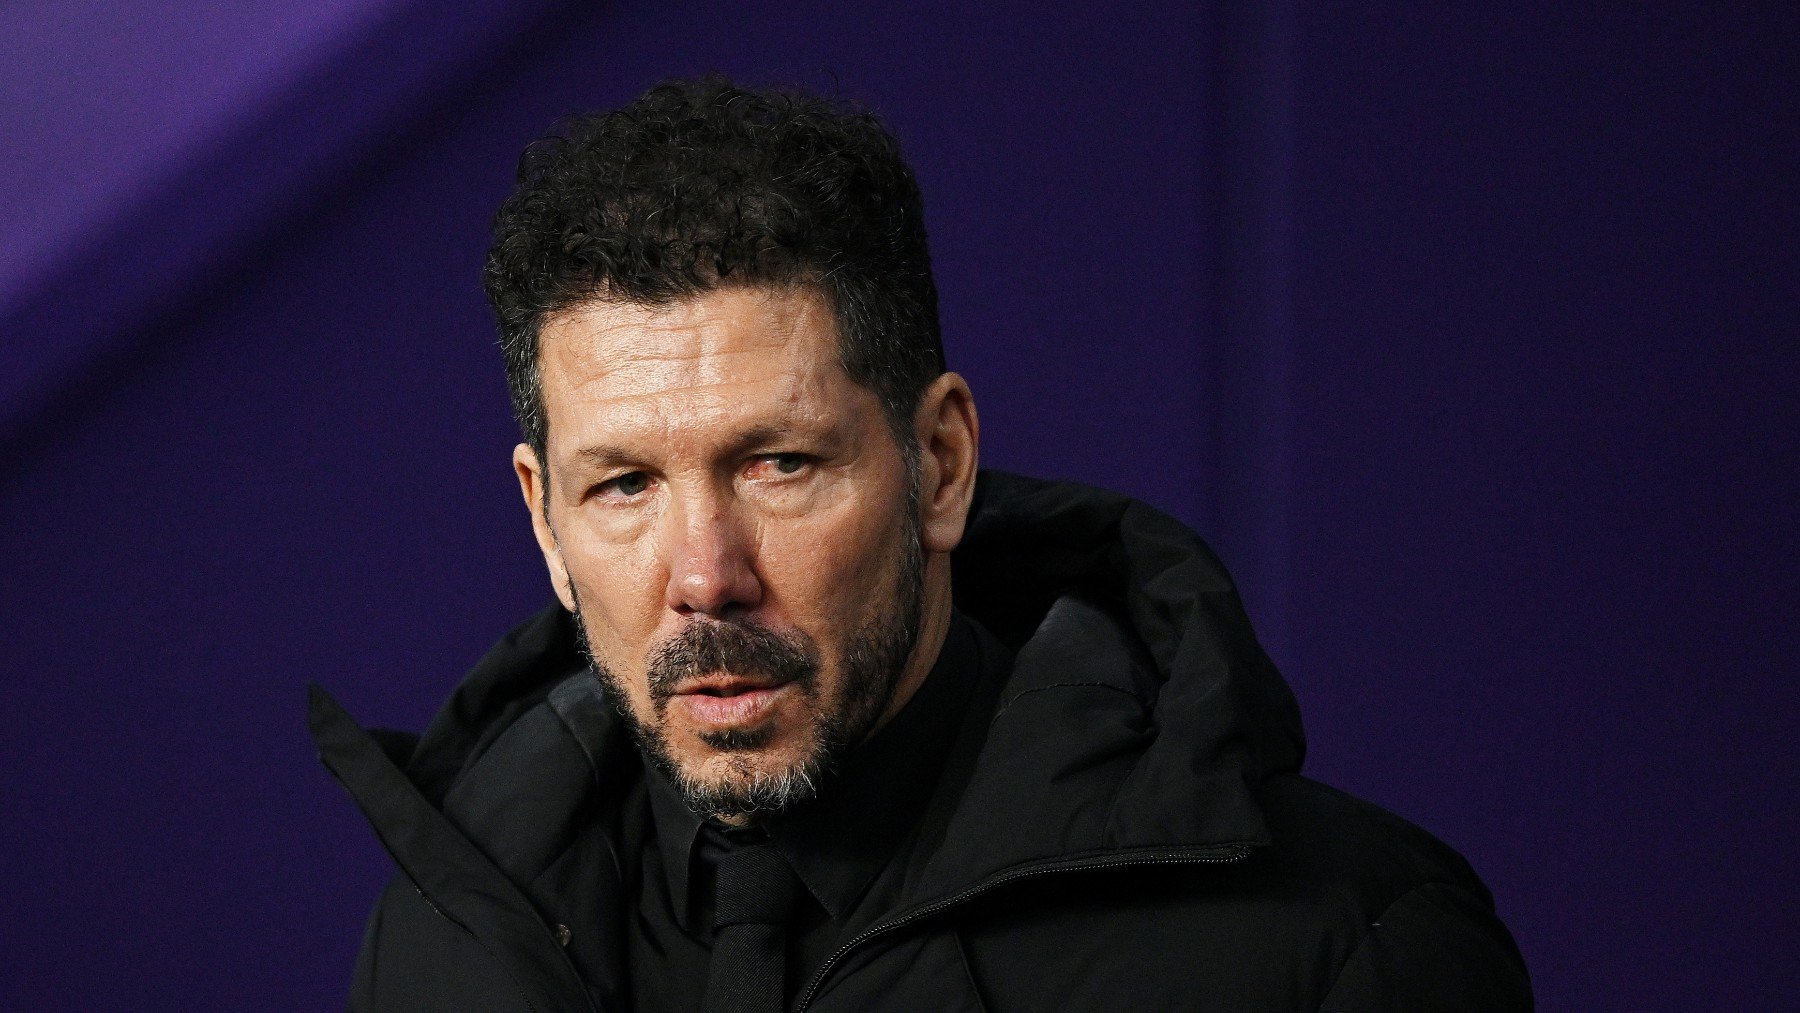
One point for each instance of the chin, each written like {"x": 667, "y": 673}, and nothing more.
{"x": 746, "y": 770}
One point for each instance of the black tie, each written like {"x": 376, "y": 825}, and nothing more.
{"x": 756, "y": 891}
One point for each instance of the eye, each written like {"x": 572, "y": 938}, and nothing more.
{"x": 778, "y": 465}
{"x": 626, "y": 486}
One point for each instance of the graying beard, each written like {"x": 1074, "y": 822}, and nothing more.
{"x": 765, "y": 792}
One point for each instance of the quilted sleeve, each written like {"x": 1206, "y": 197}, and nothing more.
{"x": 1439, "y": 947}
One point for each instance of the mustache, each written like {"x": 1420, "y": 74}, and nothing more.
{"x": 707, "y": 645}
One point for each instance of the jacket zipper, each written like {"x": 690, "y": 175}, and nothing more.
{"x": 1219, "y": 855}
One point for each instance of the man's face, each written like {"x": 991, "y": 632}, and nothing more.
{"x": 735, "y": 527}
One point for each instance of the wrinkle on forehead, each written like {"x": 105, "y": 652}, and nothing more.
{"x": 691, "y": 364}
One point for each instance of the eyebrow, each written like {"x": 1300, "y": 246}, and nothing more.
{"x": 602, "y": 454}
{"x": 762, "y": 434}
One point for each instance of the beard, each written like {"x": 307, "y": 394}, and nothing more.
{"x": 874, "y": 660}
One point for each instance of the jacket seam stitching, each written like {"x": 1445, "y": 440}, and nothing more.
{"x": 475, "y": 937}
{"x": 962, "y": 953}
{"x": 1368, "y": 933}
{"x": 1015, "y": 698}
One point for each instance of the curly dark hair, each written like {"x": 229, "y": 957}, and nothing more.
{"x": 701, "y": 184}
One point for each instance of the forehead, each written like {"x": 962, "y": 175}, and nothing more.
{"x": 730, "y": 357}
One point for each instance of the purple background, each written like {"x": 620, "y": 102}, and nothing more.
{"x": 1468, "y": 339}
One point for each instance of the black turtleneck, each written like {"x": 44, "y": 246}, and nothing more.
{"x": 847, "y": 845}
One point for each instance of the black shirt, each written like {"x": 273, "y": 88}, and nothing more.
{"x": 846, "y": 845}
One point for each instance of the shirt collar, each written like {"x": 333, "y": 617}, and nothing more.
{"x": 677, "y": 835}
{"x": 839, "y": 841}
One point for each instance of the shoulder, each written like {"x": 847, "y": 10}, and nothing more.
{"x": 1413, "y": 923}
{"x": 1349, "y": 907}
{"x": 1339, "y": 842}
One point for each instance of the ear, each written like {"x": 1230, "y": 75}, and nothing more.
{"x": 949, "y": 435}
{"x": 534, "y": 484}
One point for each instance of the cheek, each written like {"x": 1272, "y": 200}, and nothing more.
{"x": 621, "y": 604}
{"x": 832, "y": 570}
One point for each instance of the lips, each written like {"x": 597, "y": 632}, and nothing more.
{"x": 723, "y": 684}
{"x": 725, "y": 700}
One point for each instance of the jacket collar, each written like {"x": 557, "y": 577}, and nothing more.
{"x": 1135, "y": 658}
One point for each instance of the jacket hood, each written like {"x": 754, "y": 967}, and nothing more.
{"x": 1140, "y": 713}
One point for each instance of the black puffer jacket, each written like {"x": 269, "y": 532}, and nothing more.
{"x": 1120, "y": 825}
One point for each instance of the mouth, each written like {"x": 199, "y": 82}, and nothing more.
{"x": 727, "y": 701}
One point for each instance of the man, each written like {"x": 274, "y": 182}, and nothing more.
{"x": 823, "y": 718}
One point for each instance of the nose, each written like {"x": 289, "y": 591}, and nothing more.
{"x": 710, "y": 560}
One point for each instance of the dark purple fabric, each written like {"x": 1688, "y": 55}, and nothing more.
{"x": 1469, "y": 341}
